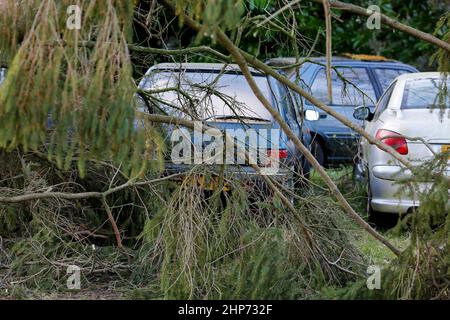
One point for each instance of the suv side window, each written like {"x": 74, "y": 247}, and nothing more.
{"x": 384, "y": 101}
{"x": 357, "y": 90}
{"x": 386, "y": 75}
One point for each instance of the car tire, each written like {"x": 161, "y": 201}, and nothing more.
{"x": 318, "y": 152}
{"x": 379, "y": 220}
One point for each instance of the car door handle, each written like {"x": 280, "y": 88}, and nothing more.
{"x": 322, "y": 115}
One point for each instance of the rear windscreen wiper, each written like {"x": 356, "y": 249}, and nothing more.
{"x": 233, "y": 117}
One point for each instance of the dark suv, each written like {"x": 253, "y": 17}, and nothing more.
{"x": 365, "y": 80}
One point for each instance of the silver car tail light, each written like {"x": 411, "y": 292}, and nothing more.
{"x": 394, "y": 140}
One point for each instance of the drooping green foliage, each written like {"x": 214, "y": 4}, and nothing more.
{"x": 39, "y": 240}
{"x": 422, "y": 271}
{"x": 212, "y": 13}
{"x": 219, "y": 246}
{"x": 301, "y": 30}
{"x": 71, "y": 89}
{"x": 442, "y": 56}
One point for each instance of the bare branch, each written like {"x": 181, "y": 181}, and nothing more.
{"x": 335, "y": 4}
{"x": 326, "y": 9}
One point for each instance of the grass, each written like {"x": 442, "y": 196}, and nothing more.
{"x": 373, "y": 250}
{"x": 376, "y": 252}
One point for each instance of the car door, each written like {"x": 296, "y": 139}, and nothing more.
{"x": 284, "y": 103}
{"x": 351, "y": 87}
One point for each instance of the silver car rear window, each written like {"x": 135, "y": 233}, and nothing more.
{"x": 428, "y": 93}
{"x": 207, "y": 94}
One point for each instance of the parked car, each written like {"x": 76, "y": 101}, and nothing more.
{"x": 218, "y": 95}
{"x": 410, "y": 108}
{"x": 332, "y": 142}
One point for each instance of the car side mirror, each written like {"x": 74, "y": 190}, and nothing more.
{"x": 363, "y": 113}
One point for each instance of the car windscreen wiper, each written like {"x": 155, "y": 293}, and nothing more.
{"x": 237, "y": 118}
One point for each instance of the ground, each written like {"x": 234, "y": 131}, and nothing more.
{"x": 115, "y": 288}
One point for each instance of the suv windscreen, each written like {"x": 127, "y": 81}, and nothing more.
{"x": 386, "y": 76}
{"x": 208, "y": 94}
{"x": 427, "y": 94}
{"x": 356, "y": 89}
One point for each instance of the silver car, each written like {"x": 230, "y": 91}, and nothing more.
{"x": 218, "y": 95}
{"x": 414, "y": 106}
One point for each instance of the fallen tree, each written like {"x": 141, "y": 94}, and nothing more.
{"x": 76, "y": 103}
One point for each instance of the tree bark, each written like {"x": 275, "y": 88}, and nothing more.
{"x": 326, "y": 10}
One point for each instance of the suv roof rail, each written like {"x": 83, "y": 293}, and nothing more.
{"x": 366, "y": 57}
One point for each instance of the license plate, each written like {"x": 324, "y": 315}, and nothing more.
{"x": 446, "y": 149}
{"x": 207, "y": 183}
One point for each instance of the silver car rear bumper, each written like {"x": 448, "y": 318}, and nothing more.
{"x": 231, "y": 171}
{"x": 388, "y": 195}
